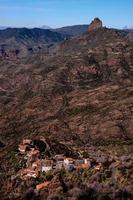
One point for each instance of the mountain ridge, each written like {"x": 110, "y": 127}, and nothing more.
{"x": 22, "y": 42}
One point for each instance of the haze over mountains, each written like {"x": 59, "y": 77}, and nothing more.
{"x": 72, "y": 86}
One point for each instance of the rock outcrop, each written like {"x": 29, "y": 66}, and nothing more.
{"x": 95, "y": 24}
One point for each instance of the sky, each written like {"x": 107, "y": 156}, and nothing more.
{"x": 58, "y": 13}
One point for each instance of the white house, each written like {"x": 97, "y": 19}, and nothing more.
{"x": 22, "y": 148}
{"x": 87, "y": 161}
{"x": 68, "y": 161}
{"x": 46, "y": 168}
{"x": 47, "y": 165}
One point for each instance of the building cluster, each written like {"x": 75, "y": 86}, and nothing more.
{"x": 35, "y": 163}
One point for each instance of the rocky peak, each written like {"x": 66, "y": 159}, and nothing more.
{"x": 95, "y": 24}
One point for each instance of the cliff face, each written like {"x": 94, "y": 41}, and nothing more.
{"x": 95, "y": 24}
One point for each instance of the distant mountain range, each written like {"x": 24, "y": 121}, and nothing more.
{"x": 69, "y": 30}
{"x": 128, "y": 27}
{"x": 21, "y": 42}
{"x": 41, "y": 27}
{"x": 45, "y": 27}
{"x": 25, "y": 41}
{"x": 72, "y": 30}
{"x": 64, "y": 28}
{"x": 3, "y": 27}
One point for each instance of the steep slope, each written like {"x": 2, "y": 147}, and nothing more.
{"x": 84, "y": 93}
{"x": 94, "y": 39}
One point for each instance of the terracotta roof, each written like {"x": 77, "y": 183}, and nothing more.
{"x": 98, "y": 166}
{"x": 83, "y": 166}
{"x": 27, "y": 141}
{"x": 29, "y": 172}
{"x": 68, "y": 158}
{"x": 36, "y": 164}
{"x": 42, "y": 185}
{"x": 34, "y": 152}
{"x": 22, "y": 148}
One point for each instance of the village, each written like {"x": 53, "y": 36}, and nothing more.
{"x": 48, "y": 171}
{"x": 36, "y": 163}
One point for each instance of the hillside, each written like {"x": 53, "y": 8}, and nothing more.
{"x": 84, "y": 66}
{"x": 80, "y": 98}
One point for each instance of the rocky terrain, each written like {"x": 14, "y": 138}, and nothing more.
{"x": 80, "y": 96}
